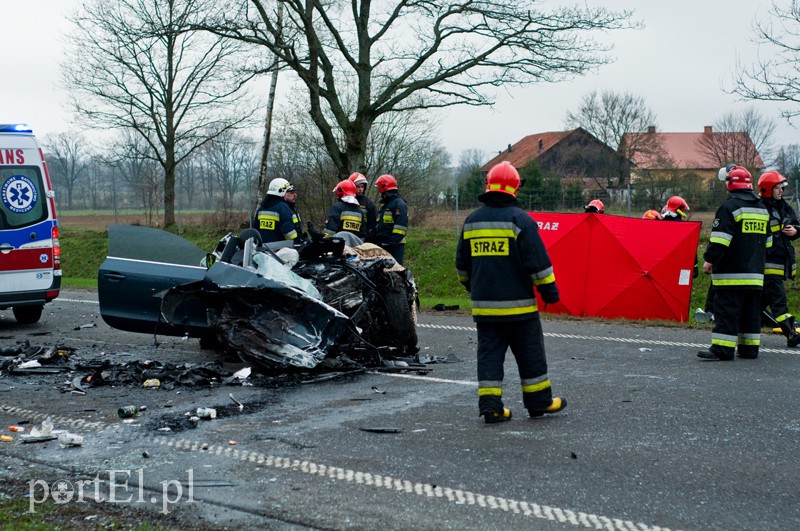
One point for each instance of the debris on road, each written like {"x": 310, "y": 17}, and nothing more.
{"x": 382, "y": 430}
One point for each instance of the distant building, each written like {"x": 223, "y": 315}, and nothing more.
{"x": 699, "y": 153}
{"x": 574, "y": 155}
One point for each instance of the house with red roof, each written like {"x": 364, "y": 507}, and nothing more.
{"x": 574, "y": 155}
{"x": 699, "y": 153}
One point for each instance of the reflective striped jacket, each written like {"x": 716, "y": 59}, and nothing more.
{"x": 500, "y": 257}
{"x": 780, "y": 257}
{"x": 276, "y": 220}
{"x": 738, "y": 243}
{"x": 345, "y": 217}
{"x": 392, "y": 220}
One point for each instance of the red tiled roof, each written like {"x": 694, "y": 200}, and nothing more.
{"x": 527, "y": 149}
{"x": 686, "y": 150}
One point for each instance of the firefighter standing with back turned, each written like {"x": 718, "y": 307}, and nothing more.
{"x": 390, "y": 233}
{"x": 781, "y": 263}
{"x": 735, "y": 257}
{"x": 500, "y": 258}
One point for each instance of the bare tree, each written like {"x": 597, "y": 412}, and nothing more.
{"x": 609, "y": 115}
{"x": 744, "y": 138}
{"x": 137, "y": 65}
{"x": 68, "y": 159}
{"x": 132, "y": 162}
{"x": 775, "y": 75}
{"x": 234, "y": 160}
{"x": 787, "y": 161}
{"x": 361, "y": 60}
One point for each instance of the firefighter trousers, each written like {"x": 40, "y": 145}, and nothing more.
{"x": 737, "y": 322}
{"x": 526, "y": 340}
{"x": 774, "y": 296}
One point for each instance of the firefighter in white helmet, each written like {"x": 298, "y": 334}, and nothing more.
{"x": 276, "y": 218}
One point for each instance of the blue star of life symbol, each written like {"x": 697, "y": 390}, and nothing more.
{"x": 19, "y": 194}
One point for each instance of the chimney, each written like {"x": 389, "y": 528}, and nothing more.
{"x": 509, "y": 148}
{"x": 707, "y": 130}
{"x": 651, "y": 129}
{"x": 541, "y": 144}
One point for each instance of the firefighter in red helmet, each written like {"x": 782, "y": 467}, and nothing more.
{"x": 675, "y": 209}
{"x": 366, "y": 204}
{"x": 390, "y": 233}
{"x": 735, "y": 258}
{"x": 499, "y": 259}
{"x": 345, "y": 216}
{"x": 783, "y": 227}
{"x": 651, "y": 214}
{"x": 595, "y": 206}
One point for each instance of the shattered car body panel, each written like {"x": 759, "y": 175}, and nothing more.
{"x": 366, "y": 310}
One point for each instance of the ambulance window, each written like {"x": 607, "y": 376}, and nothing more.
{"x": 22, "y": 201}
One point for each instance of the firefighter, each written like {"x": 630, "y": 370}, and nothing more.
{"x": 390, "y": 232}
{"x": 783, "y": 225}
{"x": 499, "y": 259}
{"x": 735, "y": 257}
{"x": 595, "y": 206}
{"x": 651, "y": 214}
{"x": 345, "y": 215}
{"x": 276, "y": 218}
{"x": 675, "y": 209}
{"x": 365, "y": 203}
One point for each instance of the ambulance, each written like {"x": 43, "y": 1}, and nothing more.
{"x": 30, "y": 254}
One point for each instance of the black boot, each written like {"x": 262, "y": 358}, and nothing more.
{"x": 788, "y": 329}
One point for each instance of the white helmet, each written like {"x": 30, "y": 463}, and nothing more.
{"x": 279, "y": 187}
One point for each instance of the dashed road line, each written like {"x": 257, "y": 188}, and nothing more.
{"x": 612, "y": 339}
{"x": 426, "y": 490}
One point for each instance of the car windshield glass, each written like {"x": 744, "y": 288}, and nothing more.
{"x": 23, "y": 201}
{"x": 153, "y": 245}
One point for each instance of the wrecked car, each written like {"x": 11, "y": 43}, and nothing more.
{"x": 280, "y": 306}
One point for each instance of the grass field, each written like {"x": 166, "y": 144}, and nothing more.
{"x": 430, "y": 253}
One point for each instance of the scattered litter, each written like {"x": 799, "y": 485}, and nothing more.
{"x": 77, "y": 385}
{"x": 378, "y": 390}
{"x": 212, "y": 482}
{"x": 145, "y": 454}
{"x": 432, "y": 358}
{"x": 16, "y": 428}
{"x": 242, "y": 374}
{"x": 6, "y": 438}
{"x": 165, "y": 428}
{"x": 645, "y": 349}
{"x": 241, "y": 406}
{"x": 87, "y": 325}
{"x": 29, "y": 364}
{"x": 419, "y": 430}
{"x": 130, "y": 411}
{"x": 152, "y": 382}
{"x": 573, "y": 455}
{"x": 67, "y": 439}
{"x": 206, "y": 413}
{"x": 382, "y": 430}
{"x": 232, "y": 442}
{"x": 441, "y": 307}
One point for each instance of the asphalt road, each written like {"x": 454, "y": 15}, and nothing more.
{"x": 653, "y": 437}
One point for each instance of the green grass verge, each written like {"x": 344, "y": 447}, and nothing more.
{"x": 430, "y": 254}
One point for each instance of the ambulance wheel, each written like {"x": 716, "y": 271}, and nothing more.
{"x": 28, "y": 314}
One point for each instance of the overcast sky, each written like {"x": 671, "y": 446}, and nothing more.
{"x": 679, "y": 63}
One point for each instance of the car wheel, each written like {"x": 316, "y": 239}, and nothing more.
{"x": 402, "y": 328}
{"x": 28, "y": 314}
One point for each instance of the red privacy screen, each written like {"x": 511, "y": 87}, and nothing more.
{"x": 613, "y": 266}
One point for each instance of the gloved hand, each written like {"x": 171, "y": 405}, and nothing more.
{"x": 549, "y": 293}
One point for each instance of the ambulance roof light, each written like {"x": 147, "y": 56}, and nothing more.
{"x": 15, "y": 128}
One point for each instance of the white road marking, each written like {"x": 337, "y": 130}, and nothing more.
{"x": 637, "y": 341}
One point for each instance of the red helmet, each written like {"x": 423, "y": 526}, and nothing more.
{"x": 651, "y": 214}
{"x": 675, "y": 207}
{"x": 595, "y": 205}
{"x": 386, "y": 183}
{"x": 503, "y": 177}
{"x": 739, "y": 179}
{"x": 358, "y": 178}
{"x": 768, "y": 181}
{"x": 345, "y": 188}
